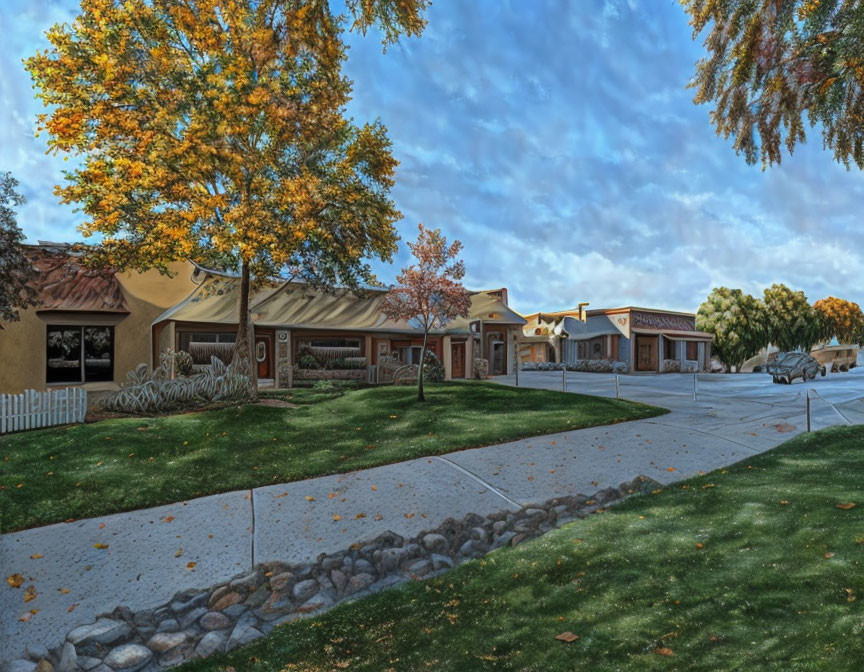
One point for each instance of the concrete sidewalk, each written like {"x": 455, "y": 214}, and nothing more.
{"x": 149, "y": 551}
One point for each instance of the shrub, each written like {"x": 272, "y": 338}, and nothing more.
{"x": 308, "y": 361}
{"x": 481, "y": 367}
{"x": 183, "y": 363}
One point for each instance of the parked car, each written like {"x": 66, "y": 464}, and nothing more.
{"x": 791, "y": 365}
{"x": 838, "y": 358}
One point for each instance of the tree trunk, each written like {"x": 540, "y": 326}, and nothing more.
{"x": 420, "y": 396}
{"x": 243, "y": 359}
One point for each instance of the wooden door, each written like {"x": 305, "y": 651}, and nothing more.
{"x": 457, "y": 359}
{"x": 264, "y": 355}
{"x": 646, "y": 353}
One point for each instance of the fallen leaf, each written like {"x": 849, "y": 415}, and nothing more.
{"x": 829, "y": 555}
{"x": 178, "y": 553}
{"x": 331, "y": 495}
{"x": 64, "y": 591}
{"x": 663, "y": 651}
{"x": 100, "y": 547}
{"x": 15, "y": 580}
{"x": 191, "y": 565}
{"x": 26, "y": 618}
{"x": 409, "y": 515}
{"x": 359, "y": 516}
{"x": 670, "y": 468}
{"x": 699, "y": 544}
{"x": 72, "y": 608}
{"x": 567, "y": 637}
{"x": 375, "y": 488}
{"x": 101, "y": 526}
{"x": 309, "y": 498}
{"x": 35, "y": 556}
{"x": 846, "y": 505}
{"x": 337, "y": 517}
{"x": 30, "y": 594}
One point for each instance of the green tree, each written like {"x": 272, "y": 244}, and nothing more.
{"x": 17, "y": 275}
{"x": 773, "y": 67}
{"x": 216, "y": 129}
{"x": 791, "y": 322}
{"x": 737, "y": 321}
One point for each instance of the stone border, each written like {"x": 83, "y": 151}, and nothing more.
{"x": 198, "y": 623}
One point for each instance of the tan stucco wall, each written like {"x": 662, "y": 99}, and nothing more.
{"x": 149, "y": 294}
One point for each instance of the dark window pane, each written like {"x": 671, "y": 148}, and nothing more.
{"x": 64, "y": 355}
{"x": 692, "y": 350}
{"x": 98, "y": 354}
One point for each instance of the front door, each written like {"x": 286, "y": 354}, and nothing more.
{"x": 498, "y": 364}
{"x": 457, "y": 357}
{"x": 646, "y": 353}
{"x": 264, "y": 355}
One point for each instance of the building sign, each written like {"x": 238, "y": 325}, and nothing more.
{"x": 663, "y": 321}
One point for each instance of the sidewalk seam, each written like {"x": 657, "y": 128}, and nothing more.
{"x": 479, "y": 480}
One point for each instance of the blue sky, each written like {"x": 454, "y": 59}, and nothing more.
{"x": 558, "y": 142}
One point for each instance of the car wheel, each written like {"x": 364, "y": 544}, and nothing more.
{"x": 824, "y": 371}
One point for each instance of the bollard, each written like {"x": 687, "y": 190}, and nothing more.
{"x": 617, "y": 388}
{"x": 695, "y": 385}
{"x": 564, "y": 380}
{"x": 517, "y": 374}
{"x": 808, "y": 410}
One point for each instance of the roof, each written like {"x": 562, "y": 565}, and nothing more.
{"x": 297, "y": 305}
{"x": 625, "y": 309}
{"x": 64, "y": 284}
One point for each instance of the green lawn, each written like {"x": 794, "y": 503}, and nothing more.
{"x": 114, "y": 465}
{"x": 750, "y": 568}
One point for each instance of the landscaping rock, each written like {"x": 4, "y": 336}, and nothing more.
{"x": 316, "y": 602}
{"x": 359, "y": 582}
{"x": 192, "y": 617}
{"x": 87, "y": 663}
{"x": 128, "y": 657}
{"x": 339, "y": 580}
{"x": 256, "y": 599}
{"x": 362, "y": 566}
{"x": 20, "y": 665}
{"x": 68, "y": 658}
{"x": 243, "y": 633}
{"x": 210, "y": 644}
{"x": 235, "y": 610}
{"x": 245, "y": 583}
{"x": 103, "y": 631}
{"x": 213, "y": 620}
{"x": 305, "y": 589}
{"x": 168, "y": 625}
{"x": 281, "y": 582}
{"x": 502, "y": 540}
{"x": 165, "y": 641}
{"x": 44, "y": 666}
{"x": 440, "y": 561}
{"x": 37, "y": 652}
{"x": 227, "y": 600}
{"x": 437, "y": 543}
{"x": 419, "y": 567}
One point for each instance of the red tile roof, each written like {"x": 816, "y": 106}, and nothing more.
{"x": 66, "y": 285}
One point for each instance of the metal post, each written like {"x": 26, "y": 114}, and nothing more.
{"x": 808, "y": 410}
{"x": 564, "y": 380}
{"x": 617, "y": 388}
{"x": 695, "y": 386}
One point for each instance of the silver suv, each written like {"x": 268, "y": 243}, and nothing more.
{"x": 791, "y": 365}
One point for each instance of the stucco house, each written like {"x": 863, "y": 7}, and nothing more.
{"x": 300, "y": 330}
{"x": 88, "y": 328}
{"x": 646, "y": 340}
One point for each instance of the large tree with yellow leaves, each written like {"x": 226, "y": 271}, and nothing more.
{"x": 774, "y": 67}
{"x": 218, "y": 127}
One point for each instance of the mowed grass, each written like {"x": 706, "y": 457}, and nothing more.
{"x": 750, "y": 568}
{"x": 52, "y": 475}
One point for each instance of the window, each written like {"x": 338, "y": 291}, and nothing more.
{"x": 79, "y": 354}
{"x": 203, "y": 345}
{"x": 693, "y": 350}
{"x": 582, "y": 350}
{"x": 669, "y": 349}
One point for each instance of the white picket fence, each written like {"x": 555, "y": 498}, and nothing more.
{"x": 32, "y": 409}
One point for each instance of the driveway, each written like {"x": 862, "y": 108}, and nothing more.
{"x": 142, "y": 558}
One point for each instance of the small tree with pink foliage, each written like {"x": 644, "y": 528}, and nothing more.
{"x": 429, "y": 293}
